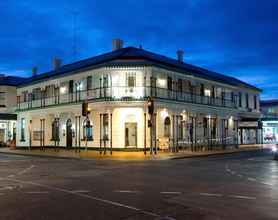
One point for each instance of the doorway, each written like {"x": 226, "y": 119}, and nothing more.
{"x": 131, "y": 134}
{"x": 69, "y": 133}
{"x": 2, "y": 135}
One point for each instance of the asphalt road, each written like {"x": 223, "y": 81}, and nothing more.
{"x": 237, "y": 186}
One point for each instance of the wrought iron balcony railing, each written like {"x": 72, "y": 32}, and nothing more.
{"x": 123, "y": 94}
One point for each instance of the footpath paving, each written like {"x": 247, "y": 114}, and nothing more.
{"x": 120, "y": 155}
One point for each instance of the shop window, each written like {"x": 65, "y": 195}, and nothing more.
{"x": 22, "y": 129}
{"x": 87, "y": 130}
{"x": 167, "y": 127}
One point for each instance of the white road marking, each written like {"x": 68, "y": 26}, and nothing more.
{"x": 39, "y": 192}
{"x": 25, "y": 170}
{"x": 239, "y": 175}
{"x": 251, "y": 179}
{"x": 243, "y": 197}
{"x": 171, "y": 193}
{"x": 7, "y": 188}
{"x": 126, "y": 191}
{"x": 88, "y": 197}
{"x": 211, "y": 194}
{"x": 80, "y": 191}
{"x": 269, "y": 184}
{"x": 10, "y": 176}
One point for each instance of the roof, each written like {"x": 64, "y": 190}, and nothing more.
{"x": 11, "y": 80}
{"x": 131, "y": 56}
{"x": 269, "y": 103}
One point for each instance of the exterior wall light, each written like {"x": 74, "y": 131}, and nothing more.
{"x": 164, "y": 113}
{"x": 63, "y": 90}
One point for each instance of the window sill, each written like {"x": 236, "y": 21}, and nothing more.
{"x": 87, "y": 139}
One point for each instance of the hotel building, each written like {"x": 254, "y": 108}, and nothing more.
{"x": 193, "y": 107}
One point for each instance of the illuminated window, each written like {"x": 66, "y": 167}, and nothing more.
{"x": 207, "y": 92}
{"x": 87, "y": 130}
{"x": 167, "y": 127}
{"x": 55, "y": 130}
{"x": 22, "y": 129}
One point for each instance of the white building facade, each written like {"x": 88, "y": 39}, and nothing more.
{"x": 193, "y": 108}
{"x": 8, "y": 104}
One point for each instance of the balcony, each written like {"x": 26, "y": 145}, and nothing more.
{"x": 124, "y": 94}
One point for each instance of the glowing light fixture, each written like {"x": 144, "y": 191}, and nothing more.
{"x": 161, "y": 82}
{"x": 164, "y": 113}
{"x": 63, "y": 90}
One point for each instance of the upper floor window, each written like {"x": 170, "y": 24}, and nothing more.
{"x": 131, "y": 80}
{"x": 25, "y": 96}
{"x": 207, "y": 92}
{"x": 202, "y": 90}
{"x": 255, "y": 102}
{"x": 179, "y": 85}
{"x": 71, "y": 86}
{"x": 247, "y": 100}
{"x": 36, "y": 93}
{"x": 169, "y": 83}
{"x": 2, "y": 99}
{"x": 240, "y": 99}
{"x": 89, "y": 82}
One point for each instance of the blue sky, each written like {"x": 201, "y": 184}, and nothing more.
{"x": 237, "y": 38}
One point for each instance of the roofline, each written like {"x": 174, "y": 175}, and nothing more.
{"x": 153, "y": 62}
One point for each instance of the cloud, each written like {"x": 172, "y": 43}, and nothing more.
{"x": 234, "y": 37}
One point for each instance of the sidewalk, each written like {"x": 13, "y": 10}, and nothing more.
{"x": 124, "y": 156}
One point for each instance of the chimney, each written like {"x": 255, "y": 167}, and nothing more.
{"x": 57, "y": 63}
{"x": 34, "y": 71}
{"x": 117, "y": 44}
{"x": 180, "y": 54}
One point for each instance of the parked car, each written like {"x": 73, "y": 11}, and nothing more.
{"x": 269, "y": 137}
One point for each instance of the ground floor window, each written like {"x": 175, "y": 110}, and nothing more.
{"x": 131, "y": 134}
{"x": 22, "y": 129}
{"x": 87, "y": 130}
{"x": 167, "y": 127}
{"x": 55, "y": 130}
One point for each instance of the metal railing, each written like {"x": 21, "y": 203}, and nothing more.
{"x": 126, "y": 94}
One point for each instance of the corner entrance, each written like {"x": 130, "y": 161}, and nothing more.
{"x": 131, "y": 134}
{"x": 69, "y": 133}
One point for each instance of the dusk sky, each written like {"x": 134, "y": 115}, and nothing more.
{"x": 237, "y": 38}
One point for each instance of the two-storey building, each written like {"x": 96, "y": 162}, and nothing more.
{"x": 193, "y": 107}
{"x": 269, "y": 110}
{"x": 8, "y": 104}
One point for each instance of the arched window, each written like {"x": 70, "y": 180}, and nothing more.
{"x": 87, "y": 130}
{"x": 167, "y": 127}
{"x": 55, "y": 130}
